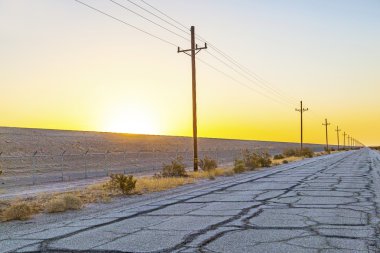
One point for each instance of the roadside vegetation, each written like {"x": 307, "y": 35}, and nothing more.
{"x": 172, "y": 175}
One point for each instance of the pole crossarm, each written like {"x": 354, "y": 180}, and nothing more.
{"x": 197, "y": 49}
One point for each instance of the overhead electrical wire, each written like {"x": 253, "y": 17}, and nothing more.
{"x": 186, "y": 30}
{"x": 277, "y": 96}
{"x": 125, "y": 23}
{"x": 259, "y": 80}
{"x": 151, "y": 21}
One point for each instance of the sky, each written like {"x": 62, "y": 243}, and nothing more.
{"x": 66, "y": 66}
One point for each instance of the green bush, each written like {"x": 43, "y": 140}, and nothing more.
{"x": 254, "y": 160}
{"x": 120, "y": 182}
{"x": 285, "y": 161}
{"x": 175, "y": 169}
{"x": 207, "y": 164}
{"x": 239, "y": 166}
{"x": 278, "y": 157}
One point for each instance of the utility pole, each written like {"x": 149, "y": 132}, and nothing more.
{"x": 344, "y": 140}
{"x": 193, "y": 51}
{"x": 326, "y": 124}
{"x": 302, "y": 110}
{"x": 337, "y": 134}
{"x": 348, "y": 141}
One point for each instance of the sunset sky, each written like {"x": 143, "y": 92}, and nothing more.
{"x": 65, "y": 66}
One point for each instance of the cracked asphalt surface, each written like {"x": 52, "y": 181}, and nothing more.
{"x": 324, "y": 204}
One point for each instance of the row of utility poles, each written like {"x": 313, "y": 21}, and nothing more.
{"x": 351, "y": 141}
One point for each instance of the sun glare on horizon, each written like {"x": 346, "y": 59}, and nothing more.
{"x": 132, "y": 120}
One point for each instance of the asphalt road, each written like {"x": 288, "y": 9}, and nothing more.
{"x": 324, "y": 204}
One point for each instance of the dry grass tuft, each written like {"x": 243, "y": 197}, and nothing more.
{"x": 17, "y": 211}
{"x": 72, "y": 202}
{"x": 56, "y": 205}
{"x": 211, "y": 174}
{"x": 151, "y": 184}
{"x": 61, "y": 202}
{"x": 288, "y": 159}
{"x": 64, "y": 203}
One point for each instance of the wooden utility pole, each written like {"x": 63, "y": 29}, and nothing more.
{"x": 193, "y": 51}
{"x": 326, "y": 124}
{"x": 302, "y": 110}
{"x": 337, "y": 134}
{"x": 344, "y": 140}
{"x": 348, "y": 141}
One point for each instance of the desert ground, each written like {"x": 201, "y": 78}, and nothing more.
{"x": 38, "y": 156}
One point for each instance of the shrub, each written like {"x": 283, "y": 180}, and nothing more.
{"x": 254, "y": 160}
{"x": 289, "y": 152}
{"x": 239, "y": 166}
{"x": 208, "y": 164}
{"x": 229, "y": 173}
{"x": 278, "y": 157}
{"x": 175, "y": 169}
{"x": 56, "y": 205}
{"x": 285, "y": 161}
{"x": 72, "y": 202}
{"x": 17, "y": 211}
{"x": 121, "y": 183}
{"x": 306, "y": 152}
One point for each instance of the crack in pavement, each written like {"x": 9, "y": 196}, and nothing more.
{"x": 325, "y": 204}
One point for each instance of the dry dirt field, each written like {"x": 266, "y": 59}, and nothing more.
{"x": 35, "y": 156}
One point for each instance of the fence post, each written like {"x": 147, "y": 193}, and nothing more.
{"x": 34, "y": 167}
{"x": 125, "y": 162}
{"x": 105, "y": 163}
{"x": 154, "y": 160}
{"x": 63, "y": 153}
{"x": 85, "y": 165}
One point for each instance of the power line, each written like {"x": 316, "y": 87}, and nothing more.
{"x": 167, "y": 22}
{"x": 248, "y": 78}
{"x": 151, "y": 21}
{"x": 151, "y": 6}
{"x": 240, "y": 66}
{"x": 248, "y": 71}
{"x": 279, "y": 97}
{"x": 125, "y": 23}
{"x": 238, "y": 81}
{"x": 258, "y": 82}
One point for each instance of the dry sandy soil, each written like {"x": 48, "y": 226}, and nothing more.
{"x": 34, "y": 156}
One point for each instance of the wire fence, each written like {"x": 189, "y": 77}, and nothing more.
{"x": 38, "y": 168}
